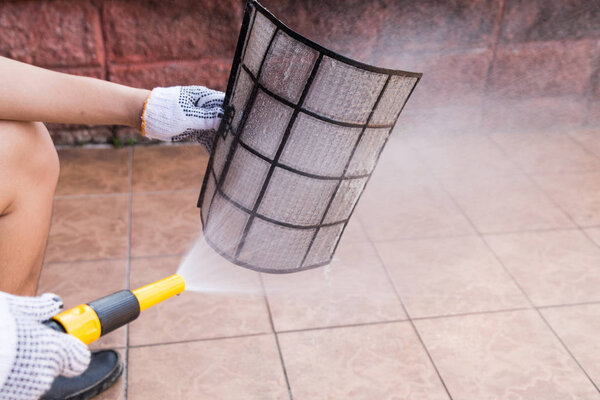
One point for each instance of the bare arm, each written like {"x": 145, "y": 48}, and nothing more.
{"x": 29, "y": 93}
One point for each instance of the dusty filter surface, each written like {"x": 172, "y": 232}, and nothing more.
{"x": 302, "y": 132}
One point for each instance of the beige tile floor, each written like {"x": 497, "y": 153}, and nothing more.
{"x": 470, "y": 270}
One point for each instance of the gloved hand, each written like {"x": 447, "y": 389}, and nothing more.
{"x": 182, "y": 112}
{"x": 42, "y": 353}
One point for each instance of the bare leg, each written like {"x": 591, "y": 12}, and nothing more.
{"x": 28, "y": 175}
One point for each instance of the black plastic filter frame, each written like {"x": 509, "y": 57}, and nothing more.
{"x": 225, "y": 129}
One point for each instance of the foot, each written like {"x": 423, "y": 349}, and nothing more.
{"x": 104, "y": 370}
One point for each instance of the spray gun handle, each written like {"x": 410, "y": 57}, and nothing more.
{"x": 90, "y": 321}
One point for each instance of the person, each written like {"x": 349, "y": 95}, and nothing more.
{"x": 36, "y": 361}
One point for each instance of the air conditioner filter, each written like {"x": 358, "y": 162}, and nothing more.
{"x": 302, "y": 132}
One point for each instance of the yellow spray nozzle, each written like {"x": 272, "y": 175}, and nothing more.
{"x": 90, "y": 321}
{"x": 158, "y": 291}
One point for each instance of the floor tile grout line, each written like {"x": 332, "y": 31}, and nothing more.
{"x": 577, "y": 226}
{"x": 208, "y": 339}
{"x": 565, "y": 305}
{"x": 498, "y": 311}
{"x": 531, "y": 179}
{"x": 477, "y": 233}
{"x": 152, "y": 192}
{"x": 563, "y": 173}
{"x": 361, "y": 225}
{"x": 541, "y": 230}
{"x": 474, "y": 227}
{"x": 108, "y": 146}
{"x": 532, "y": 304}
{"x": 358, "y": 325}
{"x": 571, "y": 138}
{"x": 455, "y": 177}
{"x": 341, "y": 326}
{"x": 128, "y": 266}
{"x": 473, "y": 234}
{"x": 362, "y": 324}
{"x": 117, "y": 259}
{"x": 150, "y": 257}
{"x": 368, "y": 239}
{"x": 412, "y": 323}
{"x": 507, "y": 271}
{"x": 275, "y": 333}
{"x": 519, "y": 170}
{"x": 123, "y": 194}
{"x": 103, "y": 347}
{"x": 564, "y": 345}
{"x": 473, "y": 313}
{"x": 89, "y": 195}
{"x": 92, "y": 260}
{"x": 582, "y": 146}
{"x": 539, "y": 313}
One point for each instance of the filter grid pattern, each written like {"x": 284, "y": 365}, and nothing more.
{"x": 302, "y": 132}
{"x": 319, "y": 148}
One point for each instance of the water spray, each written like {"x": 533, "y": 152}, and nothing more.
{"x": 88, "y": 322}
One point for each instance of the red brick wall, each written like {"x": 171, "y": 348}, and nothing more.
{"x": 493, "y": 64}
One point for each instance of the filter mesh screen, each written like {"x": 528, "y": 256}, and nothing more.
{"x": 318, "y": 147}
{"x": 343, "y": 92}
{"x": 324, "y": 244}
{"x": 266, "y": 240}
{"x": 210, "y": 185}
{"x": 395, "y": 95}
{"x": 344, "y": 200}
{"x": 225, "y": 224}
{"x": 287, "y": 67}
{"x": 261, "y": 35}
{"x": 302, "y": 131}
{"x": 245, "y": 177}
{"x": 365, "y": 156}
{"x": 241, "y": 96}
{"x": 296, "y": 199}
{"x": 220, "y": 150}
{"x": 266, "y": 125}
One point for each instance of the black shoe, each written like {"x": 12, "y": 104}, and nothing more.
{"x": 104, "y": 370}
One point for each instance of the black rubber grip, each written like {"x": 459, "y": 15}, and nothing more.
{"x": 116, "y": 310}
{"x": 52, "y": 324}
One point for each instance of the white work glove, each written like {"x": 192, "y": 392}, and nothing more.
{"x": 183, "y": 112}
{"x": 42, "y": 353}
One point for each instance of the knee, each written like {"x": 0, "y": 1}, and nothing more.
{"x": 46, "y": 167}
{"x": 27, "y": 152}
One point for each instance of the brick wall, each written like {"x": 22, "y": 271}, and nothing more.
{"x": 488, "y": 64}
